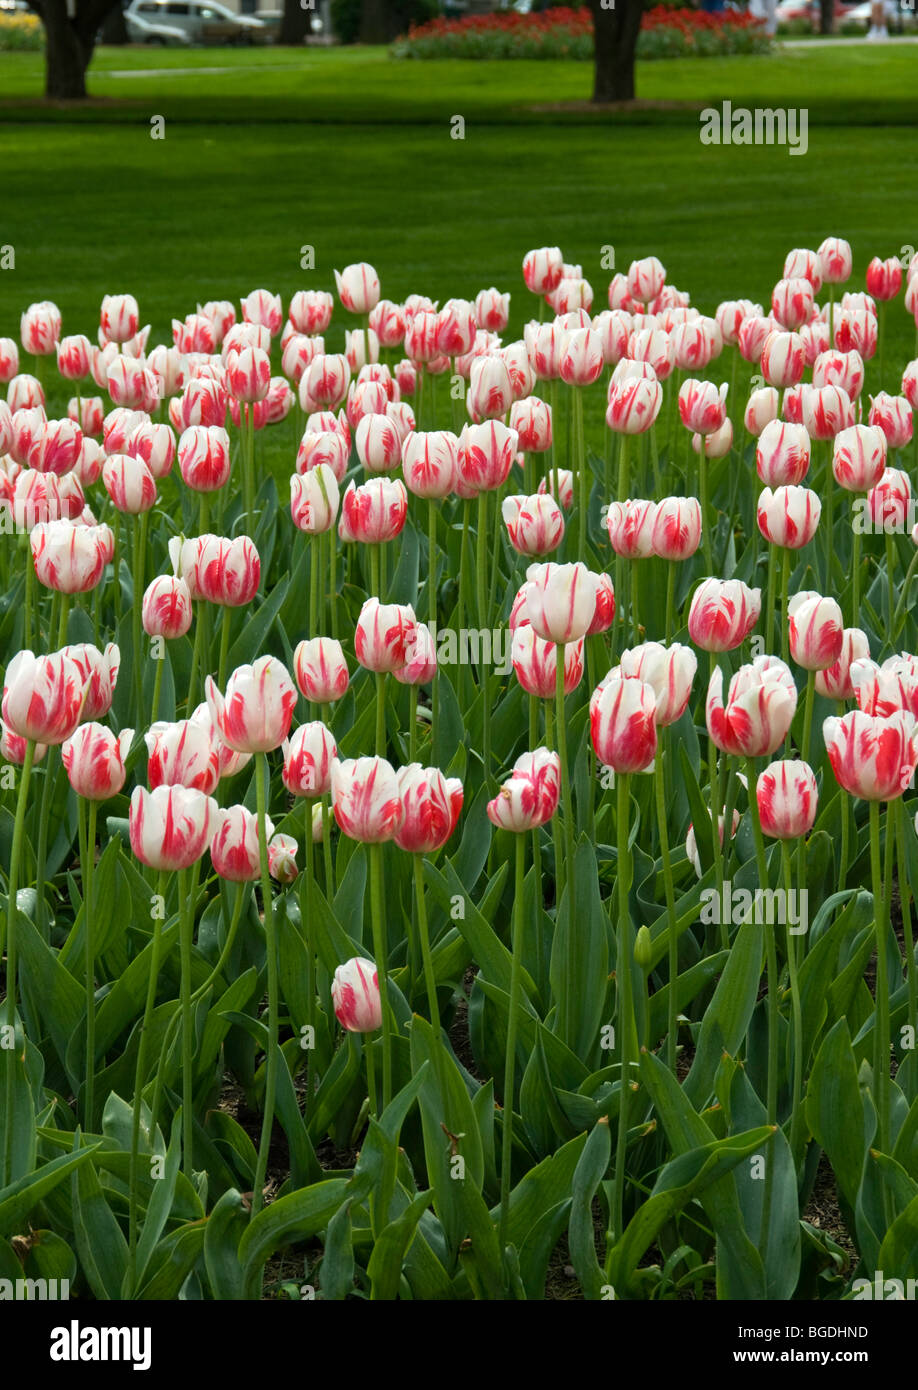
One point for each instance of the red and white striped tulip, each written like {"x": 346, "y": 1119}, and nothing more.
{"x": 787, "y": 799}
{"x": 872, "y": 756}
{"x": 761, "y": 701}
{"x": 788, "y": 516}
{"x": 431, "y": 804}
{"x": 529, "y": 796}
{"x": 623, "y": 725}
{"x": 669, "y": 671}
{"x": 677, "y": 528}
{"x": 309, "y": 754}
{"x": 43, "y": 696}
{"x": 255, "y": 713}
{"x": 782, "y": 454}
{"x": 355, "y": 996}
{"x": 321, "y": 670}
{"x": 816, "y": 630}
{"x": 859, "y": 457}
{"x": 358, "y": 287}
{"x": 535, "y": 662}
{"x": 723, "y": 612}
{"x": 534, "y": 524}
{"x": 314, "y": 500}
{"x": 70, "y": 558}
{"x": 171, "y": 827}
{"x": 366, "y": 800}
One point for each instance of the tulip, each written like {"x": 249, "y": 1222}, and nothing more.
{"x": 43, "y": 696}
{"x": 492, "y": 310}
{"x": 872, "y": 756}
{"x": 94, "y": 760}
{"x": 358, "y": 288}
{"x": 379, "y": 445}
{"x": 630, "y": 525}
{"x": 374, "y": 512}
{"x": 826, "y": 410}
{"x": 752, "y": 336}
{"x": 884, "y": 278}
{"x": 328, "y": 447}
{"x": 9, "y": 360}
{"x": 309, "y": 755}
{"x": 581, "y": 360}
{"x": 310, "y": 311}
{"x": 534, "y": 524}
{"x": 73, "y": 357}
{"x": 676, "y": 528}
{"x": 490, "y": 393}
{"x": 535, "y": 663}
{"x": 204, "y": 457}
{"x": 486, "y": 454}
{"x": 264, "y": 310}
{"x": 696, "y": 344}
{"x": 431, "y": 805}
{"x": 255, "y": 714}
{"x": 119, "y": 318}
{"x": 723, "y": 612}
{"x": 129, "y": 483}
{"x": 26, "y": 428}
{"x": 560, "y": 600}
{"x": 327, "y": 380}
{"x": 669, "y": 671}
{"x": 835, "y": 260}
{"x": 844, "y": 369}
{"x": 98, "y": 676}
{"x": 702, "y": 405}
{"x": 234, "y": 849}
{"x": 716, "y": 445}
{"x": 171, "y": 827}
{"x": 634, "y": 404}
{"x": 888, "y": 503}
{"x": 761, "y": 700}
{"x": 623, "y": 724}
{"x": 559, "y": 484}
{"x": 217, "y": 569}
{"x": 320, "y": 669}
{"x": 857, "y": 331}
{"x": 542, "y": 269}
{"x": 430, "y": 463}
{"x": 530, "y": 795}
{"x": 783, "y": 359}
{"x": 385, "y": 634}
{"x": 654, "y": 347}
{"x": 787, "y": 797}
{"x": 314, "y": 500}
{"x": 834, "y": 682}
{"x": 691, "y": 843}
{"x": 155, "y": 444}
{"x": 782, "y": 455}
{"x": 545, "y": 342}
{"x": 183, "y": 754}
{"x": 792, "y": 302}
{"x": 891, "y": 414}
{"x": 14, "y": 749}
{"x": 356, "y": 997}
{"x": 816, "y": 631}
{"x": 788, "y": 516}
{"x": 859, "y": 457}
{"x": 282, "y": 858}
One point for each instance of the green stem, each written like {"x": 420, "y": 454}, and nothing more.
{"x": 808, "y": 714}
{"x": 142, "y": 1051}
{"x": 707, "y": 544}
{"x": 380, "y": 714}
{"x": 571, "y": 971}
{"x": 510, "y": 1055}
{"x": 625, "y": 999}
{"x": 716, "y": 809}
{"x": 906, "y": 899}
{"x": 785, "y": 583}
{"x": 881, "y": 1020}
{"x": 796, "y": 1013}
{"x": 379, "y": 951}
{"x": 12, "y": 1052}
{"x": 186, "y": 938}
{"x": 673, "y": 943}
{"x": 225, "y": 624}
{"x": 261, "y": 792}
{"x": 771, "y": 956}
{"x": 90, "y": 949}
{"x": 424, "y": 933}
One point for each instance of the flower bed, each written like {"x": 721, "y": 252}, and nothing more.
{"x": 568, "y": 33}
{"x": 21, "y": 33}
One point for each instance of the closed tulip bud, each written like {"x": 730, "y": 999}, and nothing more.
{"x": 630, "y": 525}
{"x": 255, "y": 714}
{"x": 702, "y": 405}
{"x": 129, "y": 483}
{"x": 401, "y": 416}
{"x": 884, "y": 278}
{"x": 545, "y": 342}
{"x": 826, "y": 411}
{"x": 56, "y": 447}
{"x": 716, "y": 445}
{"x": 25, "y": 430}
{"x": 204, "y": 402}
{"x": 125, "y": 382}
{"x": 816, "y": 630}
{"x": 406, "y": 375}
{"x": 623, "y": 723}
{"x": 119, "y": 318}
{"x": 486, "y": 454}
{"x": 559, "y": 483}
{"x": 646, "y": 279}
{"x": 691, "y": 844}
{"x": 788, "y": 516}
{"x": 385, "y": 635}
{"x": 328, "y": 448}
{"x": 378, "y": 443}
{"x": 118, "y": 427}
{"x": 792, "y": 302}
{"x": 430, "y": 463}
{"x": 490, "y": 393}
{"x": 456, "y": 327}
{"x": 88, "y": 413}
{"x": 282, "y": 859}
{"x": 723, "y": 612}
{"x": 884, "y": 689}
{"x": 25, "y": 393}
{"x": 754, "y": 332}
{"x": 492, "y": 310}
{"x": 856, "y": 330}
{"x": 634, "y": 404}
{"x": 308, "y": 757}
{"x": 196, "y": 333}
{"x": 183, "y": 754}
{"x": 73, "y": 357}
{"x": 910, "y": 381}
{"x": 787, "y": 799}
{"x": 782, "y": 455}
{"x": 421, "y": 333}
{"x": 234, "y": 849}
{"x": 310, "y": 311}
{"x": 835, "y": 260}
{"x": 676, "y": 528}
{"x": 696, "y": 344}
{"x": 604, "y": 612}
{"x": 761, "y": 700}
{"x": 529, "y": 797}
{"x": 859, "y": 457}
{"x": 68, "y": 558}
{"x": 43, "y": 696}
{"x": 204, "y": 457}
{"x": 669, "y": 671}
{"x": 355, "y": 996}
{"x": 431, "y": 804}
{"x": 166, "y": 610}
{"x": 730, "y": 316}
{"x": 892, "y": 414}
{"x": 248, "y": 374}
{"x": 387, "y": 320}
{"x": 783, "y": 358}
{"x": 655, "y": 347}
{"x": 420, "y": 658}
{"x": 13, "y": 747}
{"x": 801, "y": 263}
{"x": 366, "y": 800}
{"x": 542, "y": 269}
{"x": 279, "y": 401}
{"x": 263, "y": 310}
{"x": 535, "y": 662}
{"x": 217, "y": 569}
{"x": 321, "y": 670}
{"x": 358, "y": 288}
{"x": 361, "y": 348}
{"x": 171, "y": 827}
{"x": 792, "y": 405}
{"x": 560, "y": 600}
{"x": 534, "y": 524}
{"x": 98, "y": 675}
{"x": 9, "y": 360}
{"x": 298, "y": 354}
{"x": 835, "y": 681}
{"x": 314, "y": 500}
{"x": 844, "y": 369}
{"x": 374, "y": 512}
{"x": 327, "y": 380}
{"x": 614, "y": 329}
{"x": 888, "y": 504}
{"x": 816, "y": 339}
{"x": 872, "y": 756}
{"x": 155, "y": 444}
{"x": 582, "y": 358}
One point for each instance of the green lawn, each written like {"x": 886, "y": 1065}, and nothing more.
{"x": 368, "y": 169}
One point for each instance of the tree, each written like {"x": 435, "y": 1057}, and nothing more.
{"x": 616, "y": 25}
{"x": 294, "y": 23}
{"x": 70, "y": 39}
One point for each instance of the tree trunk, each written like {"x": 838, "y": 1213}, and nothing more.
{"x": 66, "y": 59}
{"x": 615, "y": 33}
{"x": 826, "y": 16}
{"x": 375, "y": 25}
{"x": 294, "y": 23}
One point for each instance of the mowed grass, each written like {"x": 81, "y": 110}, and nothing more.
{"x": 369, "y": 170}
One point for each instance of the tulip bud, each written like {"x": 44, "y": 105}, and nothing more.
{"x": 234, "y": 849}
{"x": 676, "y": 528}
{"x": 788, "y": 516}
{"x": 171, "y": 827}
{"x": 43, "y": 696}
{"x": 431, "y": 804}
{"x": 255, "y": 714}
{"x": 623, "y": 723}
{"x": 358, "y": 288}
{"x": 366, "y": 799}
{"x": 630, "y": 525}
{"x": 783, "y": 359}
{"x": 723, "y": 612}
{"x": 872, "y": 756}
{"x": 355, "y": 996}
{"x": 320, "y": 669}
{"x": 308, "y": 757}
{"x": 782, "y": 455}
{"x": 761, "y": 700}
{"x": 702, "y": 406}
{"x": 535, "y": 524}
{"x": 314, "y": 500}
{"x": 385, "y": 634}
{"x": 859, "y": 457}
{"x": 669, "y": 671}
{"x": 787, "y": 799}
{"x": 529, "y": 797}
{"x": 816, "y": 631}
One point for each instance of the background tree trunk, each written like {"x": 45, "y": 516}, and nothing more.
{"x": 826, "y": 16}
{"x": 294, "y": 23}
{"x": 70, "y": 41}
{"x": 375, "y": 26}
{"x": 615, "y": 33}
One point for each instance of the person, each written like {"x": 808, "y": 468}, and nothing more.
{"x": 880, "y": 12}
{"x": 767, "y": 10}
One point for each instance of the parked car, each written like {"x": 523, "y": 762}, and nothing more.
{"x": 140, "y": 30}
{"x": 204, "y": 21}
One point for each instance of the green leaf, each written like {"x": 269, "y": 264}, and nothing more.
{"x": 834, "y": 1110}
{"x": 291, "y": 1219}
{"x": 225, "y": 1227}
{"x": 726, "y": 1019}
{"x": 589, "y": 1173}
